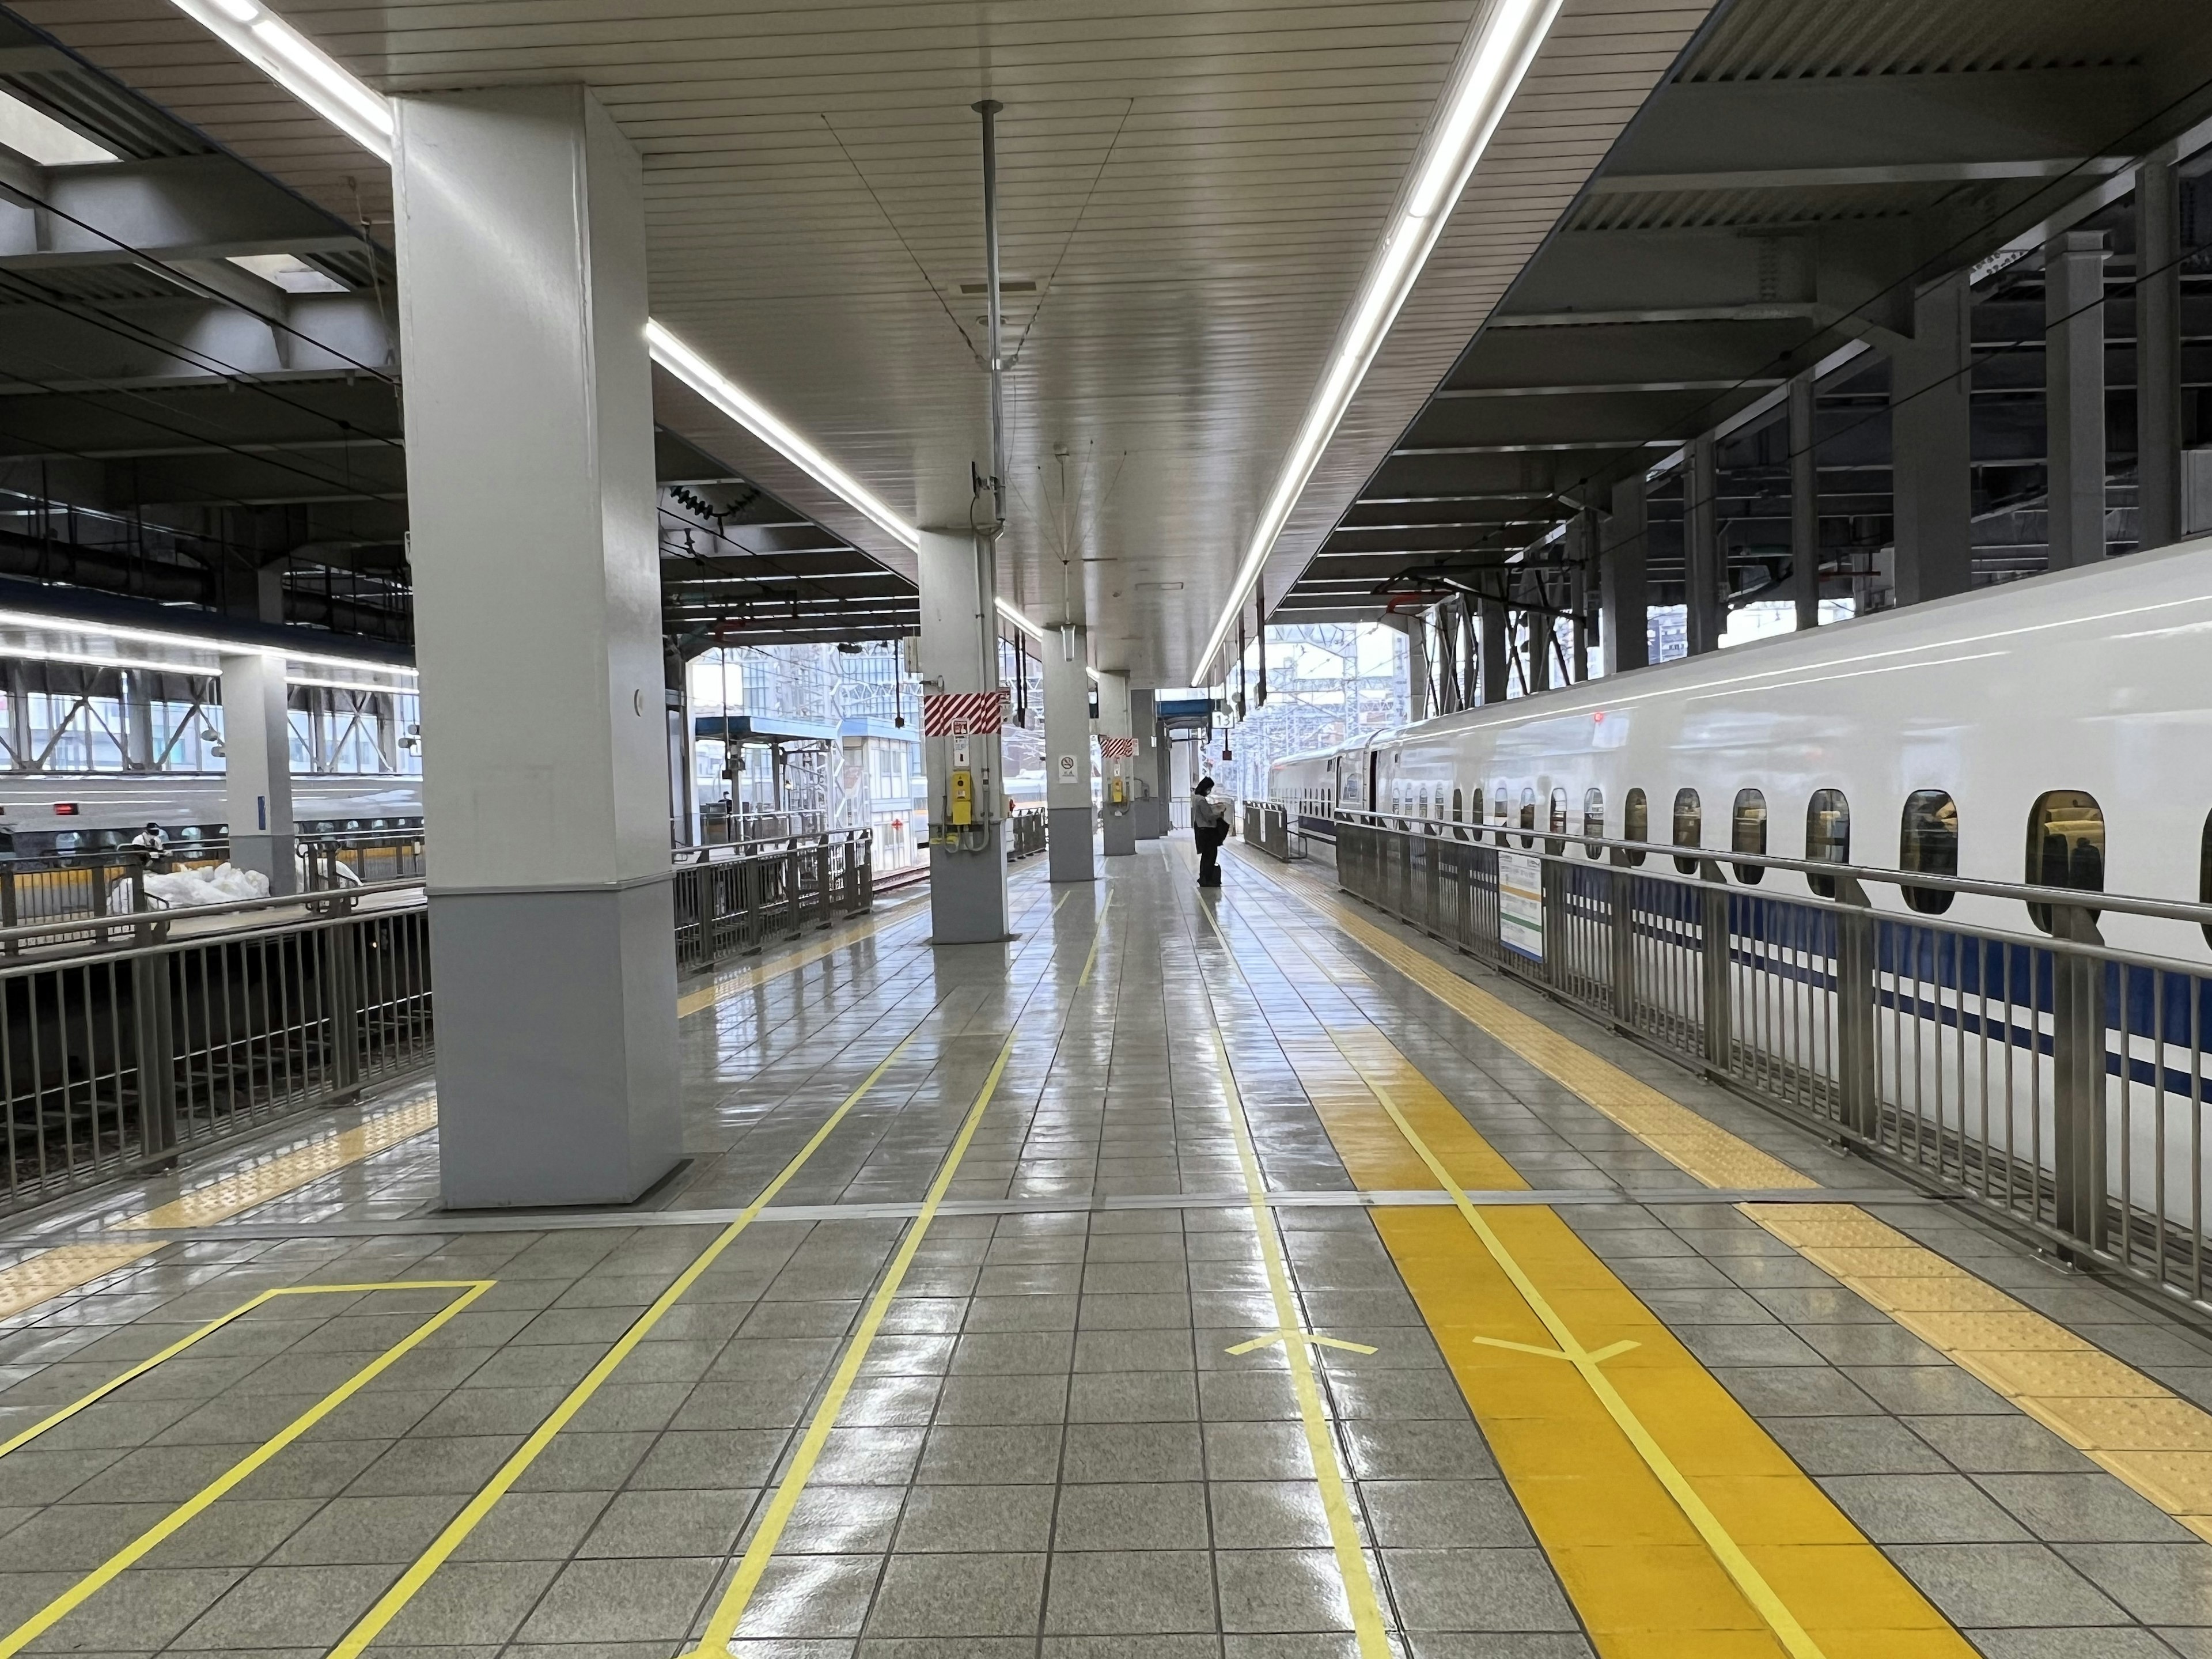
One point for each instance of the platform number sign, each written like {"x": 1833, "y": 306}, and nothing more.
{"x": 1521, "y": 903}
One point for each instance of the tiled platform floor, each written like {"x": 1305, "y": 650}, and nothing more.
{"x": 1047, "y": 1447}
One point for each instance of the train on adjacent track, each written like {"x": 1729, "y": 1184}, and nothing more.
{"x": 2057, "y": 730}
{"x": 48, "y": 816}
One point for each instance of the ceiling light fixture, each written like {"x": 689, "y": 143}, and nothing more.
{"x": 1489, "y": 71}
{"x": 319, "y": 81}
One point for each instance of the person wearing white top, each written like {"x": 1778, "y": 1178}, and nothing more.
{"x": 1209, "y": 828}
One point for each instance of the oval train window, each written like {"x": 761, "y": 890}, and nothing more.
{"x": 1558, "y": 824}
{"x": 1747, "y": 833}
{"x": 1593, "y": 818}
{"x": 2065, "y": 846}
{"x": 1927, "y": 841}
{"x": 1636, "y": 821}
{"x": 1528, "y": 816}
{"x": 1689, "y": 828}
{"x": 1828, "y": 836}
{"x": 2205, "y": 873}
{"x": 1459, "y": 805}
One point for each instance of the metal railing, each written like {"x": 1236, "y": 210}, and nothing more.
{"x": 734, "y": 905}
{"x": 1026, "y": 833}
{"x": 2056, "y": 1079}
{"x": 1268, "y": 827}
{"x": 117, "y": 1060}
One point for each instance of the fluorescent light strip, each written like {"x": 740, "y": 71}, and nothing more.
{"x": 1489, "y": 72}
{"x": 31, "y": 620}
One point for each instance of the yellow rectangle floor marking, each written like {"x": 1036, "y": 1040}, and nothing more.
{"x": 410, "y": 1584}
{"x": 170, "y": 1524}
{"x": 1373, "y": 1640}
{"x": 258, "y": 1183}
{"x": 730, "y": 1610}
{"x": 2079, "y": 1402}
{"x": 53, "y": 1272}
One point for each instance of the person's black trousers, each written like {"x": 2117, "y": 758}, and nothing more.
{"x": 1209, "y": 855}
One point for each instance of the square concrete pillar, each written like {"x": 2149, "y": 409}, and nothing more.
{"x": 256, "y": 749}
{"x": 959, "y": 650}
{"x": 1930, "y": 437}
{"x": 1152, "y": 806}
{"x": 1071, "y": 834}
{"x": 2074, "y": 396}
{"x": 1117, "y": 762}
{"x": 533, "y": 501}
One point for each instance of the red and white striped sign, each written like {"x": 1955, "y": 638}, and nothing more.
{"x": 960, "y": 713}
{"x": 1118, "y": 747}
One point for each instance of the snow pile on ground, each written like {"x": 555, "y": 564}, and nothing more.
{"x": 224, "y": 885}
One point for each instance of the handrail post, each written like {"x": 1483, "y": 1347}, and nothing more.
{"x": 154, "y": 1037}
{"x": 1717, "y": 972}
{"x": 1622, "y": 881}
{"x": 1857, "y": 1051}
{"x": 2079, "y": 1064}
{"x": 9, "y": 916}
{"x": 343, "y": 1003}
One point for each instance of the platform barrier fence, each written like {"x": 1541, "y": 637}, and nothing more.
{"x": 1026, "y": 834}
{"x": 2055, "y": 1079}
{"x": 1268, "y": 827}
{"x": 735, "y": 905}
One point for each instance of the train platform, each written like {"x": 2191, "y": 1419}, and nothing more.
{"x": 1197, "y": 1273}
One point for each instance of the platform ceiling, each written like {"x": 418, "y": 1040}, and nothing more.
{"x": 1192, "y": 192}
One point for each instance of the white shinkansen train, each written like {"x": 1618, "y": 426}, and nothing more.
{"x": 2057, "y": 730}
{"x": 49, "y": 816}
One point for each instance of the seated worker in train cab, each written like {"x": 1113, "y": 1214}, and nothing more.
{"x": 1209, "y": 828}
{"x": 154, "y": 844}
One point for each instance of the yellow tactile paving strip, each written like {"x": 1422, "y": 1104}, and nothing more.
{"x": 753, "y": 979}
{"x": 1768, "y": 1566}
{"x": 256, "y": 1183}
{"x": 70, "y": 1267}
{"x": 2132, "y": 1425}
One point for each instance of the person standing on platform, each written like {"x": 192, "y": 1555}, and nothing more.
{"x": 1209, "y": 828}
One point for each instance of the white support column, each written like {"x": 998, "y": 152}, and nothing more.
{"x": 532, "y": 497}
{"x": 1152, "y": 806}
{"x": 2158, "y": 354}
{"x": 1623, "y": 595}
{"x": 1071, "y": 834}
{"x": 959, "y": 573}
{"x": 2074, "y": 396}
{"x": 1804, "y": 501}
{"x": 1704, "y": 572}
{"x": 1931, "y": 459}
{"x": 256, "y": 748}
{"x": 1119, "y": 768}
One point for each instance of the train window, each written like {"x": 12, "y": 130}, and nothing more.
{"x": 2065, "y": 846}
{"x": 1636, "y": 821}
{"x": 1593, "y": 818}
{"x": 1827, "y": 836}
{"x": 2205, "y": 873}
{"x": 1689, "y": 828}
{"x": 1927, "y": 841}
{"x": 1747, "y": 833}
{"x": 1498, "y": 811}
{"x": 1528, "y": 816}
{"x": 1459, "y": 806}
{"x": 1557, "y": 822}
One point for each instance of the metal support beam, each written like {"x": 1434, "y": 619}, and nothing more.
{"x": 1624, "y": 597}
{"x": 1804, "y": 502}
{"x": 2158, "y": 354}
{"x": 2074, "y": 395}
{"x": 1417, "y": 663}
{"x": 1493, "y": 685}
{"x": 1931, "y": 404}
{"x": 1704, "y": 570}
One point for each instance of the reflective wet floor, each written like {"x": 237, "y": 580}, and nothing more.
{"x": 1198, "y": 1274}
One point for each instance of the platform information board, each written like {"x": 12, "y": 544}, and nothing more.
{"x": 1521, "y": 903}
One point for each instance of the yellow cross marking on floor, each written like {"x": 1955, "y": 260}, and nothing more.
{"x": 2132, "y": 1425}
{"x": 1274, "y": 1338}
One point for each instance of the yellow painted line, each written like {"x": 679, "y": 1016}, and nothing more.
{"x": 722, "y": 1626}
{"x": 258, "y": 1183}
{"x": 1097, "y": 934}
{"x": 139, "y": 1547}
{"x": 2158, "y": 1442}
{"x": 1321, "y": 1445}
{"x": 2133, "y": 1426}
{"x": 410, "y": 1582}
{"x": 53, "y": 1272}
